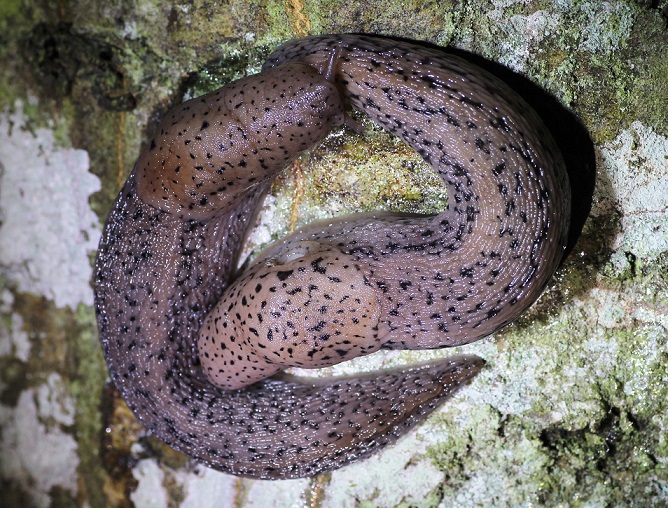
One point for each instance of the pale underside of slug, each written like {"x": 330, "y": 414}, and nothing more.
{"x": 190, "y": 346}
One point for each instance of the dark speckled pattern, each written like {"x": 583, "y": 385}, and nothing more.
{"x": 191, "y": 352}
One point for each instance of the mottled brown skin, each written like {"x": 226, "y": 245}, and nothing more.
{"x": 191, "y": 353}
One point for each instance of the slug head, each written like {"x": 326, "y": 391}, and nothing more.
{"x": 313, "y": 310}
{"x": 208, "y": 151}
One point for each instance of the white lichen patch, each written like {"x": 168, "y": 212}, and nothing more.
{"x": 649, "y": 351}
{"x": 528, "y": 32}
{"x": 594, "y": 354}
{"x": 504, "y": 484}
{"x": 37, "y": 454}
{"x": 150, "y": 491}
{"x": 283, "y": 494}
{"x": 606, "y": 27}
{"x": 269, "y": 221}
{"x": 205, "y": 488}
{"x": 551, "y": 374}
{"x": 14, "y": 340}
{"x": 48, "y": 228}
{"x": 397, "y": 475}
{"x": 603, "y": 27}
{"x": 636, "y": 164}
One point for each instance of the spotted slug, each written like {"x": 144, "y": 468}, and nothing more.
{"x": 194, "y": 348}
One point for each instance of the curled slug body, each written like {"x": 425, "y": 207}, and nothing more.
{"x": 191, "y": 349}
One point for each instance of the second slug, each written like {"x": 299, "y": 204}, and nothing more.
{"x": 193, "y": 348}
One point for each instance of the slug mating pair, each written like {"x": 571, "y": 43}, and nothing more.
{"x": 192, "y": 349}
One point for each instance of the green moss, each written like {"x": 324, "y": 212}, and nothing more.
{"x": 11, "y": 21}
{"x": 230, "y": 65}
{"x": 416, "y": 19}
{"x": 9, "y": 11}
{"x": 615, "y": 443}
{"x": 374, "y": 171}
{"x": 431, "y": 499}
{"x": 602, "y": 99}
{"x": 581, "y": 410}
{"x": 611, "y": 453}
{"x": 648, "y": 57}
{"x": 87, "y": 383}
{"x": 54, "y": 337}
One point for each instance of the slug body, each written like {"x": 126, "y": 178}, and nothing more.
{"x": 192, "y": 349}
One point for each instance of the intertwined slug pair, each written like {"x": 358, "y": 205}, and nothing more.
{"x": 192, "y": 348}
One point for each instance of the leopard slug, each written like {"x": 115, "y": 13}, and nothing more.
{"x": 194, "y": 348}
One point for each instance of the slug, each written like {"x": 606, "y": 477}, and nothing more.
{"x": 195, "y": 348}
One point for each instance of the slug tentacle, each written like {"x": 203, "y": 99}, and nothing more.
{"x": 190, "y": 349}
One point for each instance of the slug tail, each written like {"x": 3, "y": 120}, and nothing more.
{"x": 334, "y": 422}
